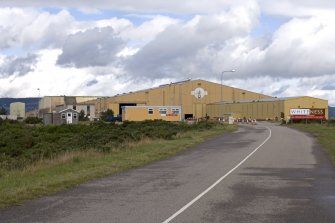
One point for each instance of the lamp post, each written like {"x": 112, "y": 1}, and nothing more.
{"x": 225, "y": 71}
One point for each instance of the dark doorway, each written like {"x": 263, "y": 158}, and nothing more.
{"x": 187, "y": 116}
{"x": 125, "y": 104}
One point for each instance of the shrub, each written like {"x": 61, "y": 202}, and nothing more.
{"x": 21, "y": 145}
{"x": 33, "y": 120}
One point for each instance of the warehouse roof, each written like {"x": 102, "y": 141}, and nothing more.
{"x": 179, "y": 83}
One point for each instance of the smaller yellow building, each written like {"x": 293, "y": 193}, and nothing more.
{"x": 270, "y": 108}
{"x": 141, "y": 113}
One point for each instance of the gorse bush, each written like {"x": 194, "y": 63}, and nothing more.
{"x": 21, "y": 144}
{"x": 33, "y": 120}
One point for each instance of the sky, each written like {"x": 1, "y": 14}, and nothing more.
{"x": 102, "y": 48}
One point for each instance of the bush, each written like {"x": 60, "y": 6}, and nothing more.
{"x": 21, "y": 144}
{"x": 33, "y": 120}
{"x": 107, "y": 115}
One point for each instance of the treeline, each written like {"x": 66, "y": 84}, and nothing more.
{"x": 22, "y": 144}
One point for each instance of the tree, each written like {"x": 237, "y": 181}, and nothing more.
{"x": 107, "y": 115}
{"x": 82, "y": 116}
{"x": 3, "y": 111}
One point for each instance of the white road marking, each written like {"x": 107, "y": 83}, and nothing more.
{"x": 181, "y": 210}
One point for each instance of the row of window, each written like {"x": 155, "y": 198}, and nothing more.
{"x": 75, "y": 115}
{"x": 163, "y": 111}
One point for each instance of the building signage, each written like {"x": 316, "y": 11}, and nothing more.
{"x": 299, "y": 111}
{"x": 313, "y": 113}
{"x": 317, "y": 112}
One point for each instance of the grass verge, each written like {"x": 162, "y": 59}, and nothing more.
{"x": 325, "y": 135}
{"x": 70, "y": 169}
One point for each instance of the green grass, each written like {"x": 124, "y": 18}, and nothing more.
{"x": 325, "y": 135}
{"x": 75, "y": 167}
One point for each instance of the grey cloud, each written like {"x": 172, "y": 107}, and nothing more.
{"x": 328, "y": 87}
{"x": 280, "y": 91}
{"x": 18, "y": 66}
{"x": 31, "y": 29}
{"x": 185, "y": 49}
{"x": 94, "y": 47}
{"x": 91, "y": 83}
{"x": 6, "y": 39}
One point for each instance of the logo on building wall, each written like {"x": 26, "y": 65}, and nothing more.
{"x": 199, "y": 93}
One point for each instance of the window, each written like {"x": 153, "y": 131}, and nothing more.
{"x": 150, "y": 111}
{"x": 74, "y": 107}
{"x": 162, "y": 111}
{"x": 175, "y": 111}
{"x": 63, "y": 116}
{"x": 75, "y": 115}
{"x": 68, "y": 114}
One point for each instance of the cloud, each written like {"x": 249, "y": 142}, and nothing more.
{"x": 189, "y": 47}
{"x": 297, "y": 8}
{"x": 54, "y": 80}
{"x": 176, "y": 6}
{"x": 299, "y": 48}
{"x": 18, "y": 66}
{"x": 309, "y": 86}
{"x": 31, "y": 29}
{"x": 94, "y": 47}
{"x": 281, "y": 90}
{"x": 278, "y": 8}
{"x": 328, "y": 87}
{"x": 197, "y": 39}
{"x": 91, "y": 83}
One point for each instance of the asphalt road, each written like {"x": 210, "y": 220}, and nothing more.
{"x": 263, "y": 173}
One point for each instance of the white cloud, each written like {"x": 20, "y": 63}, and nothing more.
{"x": 298, "y": 8}
{"x": 190, "y": 47}
{"x": 176, "y": 6}
{"x": 195, "y": 39}
{"x": 29, "y": 28}
{"x": 299, "y": 48}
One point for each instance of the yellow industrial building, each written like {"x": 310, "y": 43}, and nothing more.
{"x": 196, "y": 99}
{"x": 191, "y": 95}
{"x": 273, "y": 108}
{"x": 140, "y": 113}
